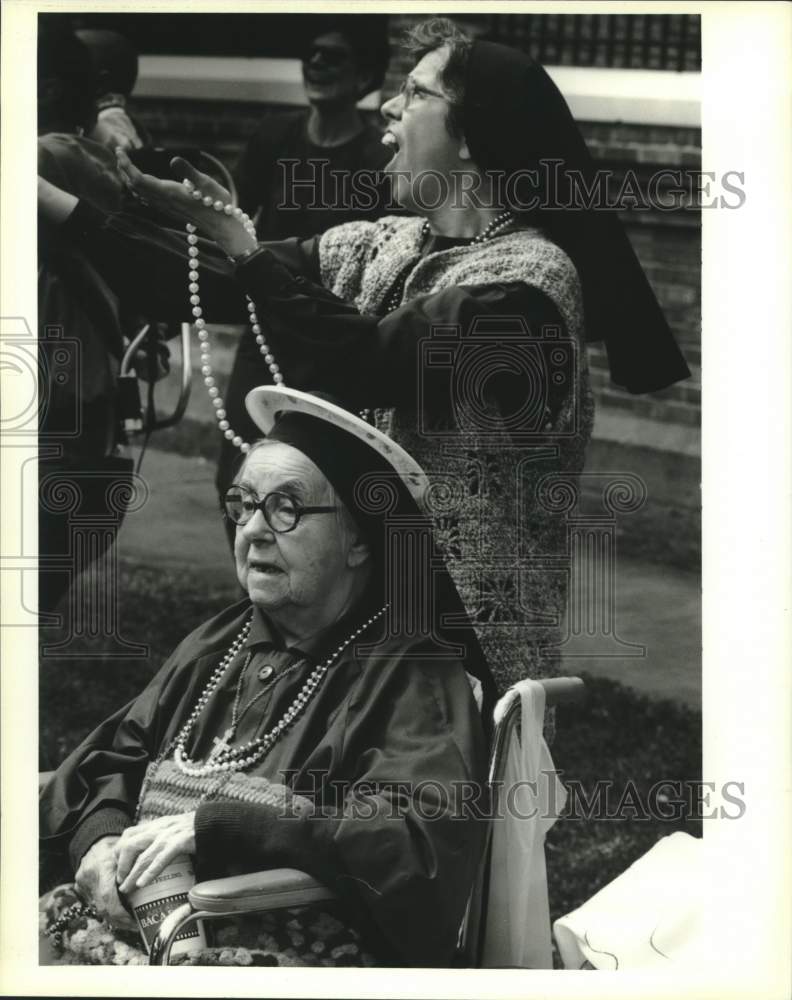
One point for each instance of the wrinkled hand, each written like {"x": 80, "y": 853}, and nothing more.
{"x": 96, "y": 882}
{"x": 143, "y": 851}
{"x": 173, "y": 198}
{"x": 114, "y": 129}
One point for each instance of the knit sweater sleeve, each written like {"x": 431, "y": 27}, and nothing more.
{"x": 322, "y": 342}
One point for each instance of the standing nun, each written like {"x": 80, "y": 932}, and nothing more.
{"x": 460, "y": 329}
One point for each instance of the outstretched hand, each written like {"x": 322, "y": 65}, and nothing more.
{"x": 176, "y": 200}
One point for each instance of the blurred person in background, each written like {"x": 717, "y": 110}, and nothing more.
{"x": 288, "y": 177}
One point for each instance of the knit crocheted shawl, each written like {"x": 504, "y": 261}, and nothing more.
{"x": 494, "y": 502}
{"x": 360, "y": 262}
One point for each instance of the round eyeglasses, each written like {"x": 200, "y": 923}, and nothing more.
{"x": 281, "y": 511}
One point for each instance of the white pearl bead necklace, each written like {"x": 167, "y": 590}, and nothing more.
{"x": 244, "y": 756}
{"x": 207, "y": 371}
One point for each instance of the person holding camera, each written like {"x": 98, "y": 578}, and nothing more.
{"x": 498, "y": 267}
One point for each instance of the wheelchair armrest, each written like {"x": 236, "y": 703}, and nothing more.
{"x": 259, "y": 891}
{"x": 266, "y": 890}
{"x": 563, "y": 690}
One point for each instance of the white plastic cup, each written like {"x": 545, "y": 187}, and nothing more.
{"x": 155, "y": 901}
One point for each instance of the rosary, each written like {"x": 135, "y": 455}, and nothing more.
{"x": 222, "y": 745}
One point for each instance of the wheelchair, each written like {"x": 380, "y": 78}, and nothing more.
{"x": 280, "y": 888}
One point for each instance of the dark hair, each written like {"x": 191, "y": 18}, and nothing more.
{"x": 66, "y": 62}
{"x": 367, "y": 35}
{"x": 114, "y": 59}
{"x": 433, "y": 34}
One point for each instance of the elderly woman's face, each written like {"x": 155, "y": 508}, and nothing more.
{"x": 423, "y": 148}
{"x": 295, "y": 571}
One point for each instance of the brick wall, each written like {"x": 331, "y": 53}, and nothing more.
{"x": 622, "y": 41}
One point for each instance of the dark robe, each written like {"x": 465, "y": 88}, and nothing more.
{"x": 386, "y": 750}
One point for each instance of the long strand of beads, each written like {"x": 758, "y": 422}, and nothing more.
{"x": 244, "y": 756}
{"x": 217, "y": 676}
{"x": 207, "y": 371}
{"x": 495, "y": 227}
{"x": 211, "y": 687}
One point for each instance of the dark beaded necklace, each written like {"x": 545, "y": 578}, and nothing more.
{"x": 495, "y": 228}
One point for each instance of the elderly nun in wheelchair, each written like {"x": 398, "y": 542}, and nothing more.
{"x": 328, "y": 722}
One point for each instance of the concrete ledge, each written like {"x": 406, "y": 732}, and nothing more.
{"x": 226, "y": 78}
{"x": 641, "y": 96}
{"x": 621, "y": 428}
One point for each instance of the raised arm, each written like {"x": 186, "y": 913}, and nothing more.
{"x": 323, "y": 342}
{"x": 146, "y": 264}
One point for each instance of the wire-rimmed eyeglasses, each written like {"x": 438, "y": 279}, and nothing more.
{"x": 410, "y": 89}
{"x": 281, "y": 511}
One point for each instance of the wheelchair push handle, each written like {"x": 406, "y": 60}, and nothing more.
{"x": 185, "y": 385}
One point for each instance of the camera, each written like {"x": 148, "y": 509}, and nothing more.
{"x": 497, "y": 380}
{"x": 155, "y": 160}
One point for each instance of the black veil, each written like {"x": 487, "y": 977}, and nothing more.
{"x": 516, "y": 121}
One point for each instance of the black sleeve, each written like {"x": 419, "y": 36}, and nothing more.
{"x": 253, "y": 173}
{"x": 146, "y": 265}
{"x": 323, "y": 342}
{"x": 95, "y": 790}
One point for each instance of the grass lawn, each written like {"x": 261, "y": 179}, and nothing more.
{"x": 616, "y": 736}
{"x": 628, "y": 744}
